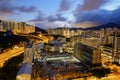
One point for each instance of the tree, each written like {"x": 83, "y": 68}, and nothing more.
{"x": 99, "y": 73}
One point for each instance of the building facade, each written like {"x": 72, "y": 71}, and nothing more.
{"x": 16, "y": 27}
{"x": 25, "y": 71}
{"x": 29, "y": 52}
{"x": 89, "y": 55}
{"x": 116, "y": 49}
{"x": 66, "y": 32}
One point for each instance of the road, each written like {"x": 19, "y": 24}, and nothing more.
{"x": 9, "y": 54}
{"x": 111, "y": 78}
{"x": 14, "y": 52}
{"x": 43, "y": 38}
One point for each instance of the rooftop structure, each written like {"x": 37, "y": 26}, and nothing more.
{"x": 24, "y": 72}
{"x": 28, "y": 45}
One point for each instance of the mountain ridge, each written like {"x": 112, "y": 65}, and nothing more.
{"x": 37, "y": 29}
{"x": 108, "y": 25}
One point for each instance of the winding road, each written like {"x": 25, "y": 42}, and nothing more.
{"x": 9, "y": 54}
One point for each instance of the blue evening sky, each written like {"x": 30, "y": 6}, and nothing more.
{"x": 41, "y": 12}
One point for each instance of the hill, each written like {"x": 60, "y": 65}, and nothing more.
{"x": 108, "y": 25}
{"x": 37, "y": 29}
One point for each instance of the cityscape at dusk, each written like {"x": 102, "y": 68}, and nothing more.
{"x": 59, "y": 40}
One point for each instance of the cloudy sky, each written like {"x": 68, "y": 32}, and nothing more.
{"x": 59, "y": 13}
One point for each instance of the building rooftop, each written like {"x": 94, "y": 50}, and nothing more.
{"x": 87, "y": 47}
{"x": 26, "y": 68}
{"x": 28, "y": 44}
{"x": 108, "y": 45}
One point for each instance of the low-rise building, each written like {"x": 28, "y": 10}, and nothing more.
{"x": 55, "y": 46}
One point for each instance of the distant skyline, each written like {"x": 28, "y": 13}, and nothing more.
{"x": 49, "y": 13}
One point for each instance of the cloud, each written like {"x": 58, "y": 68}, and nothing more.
{"x": 46, "y": 25}
{"x": 60, "y": 18}
{"x": 92, "y": 4}
{"x": 89, "y": 14}
{"x": 85, "y": 24}
{"x": 39, "y": 18}
{"x": 27, "y": 9}
{"x": 64, "y": 5}
{"x": 57, "y": 17}
{"x": 89, "y": 5}
{"x": 97, "y": 17}
{"x": 51, "y": 18}
{"x": 8, "y": 7}
{"x": 46, "y": 22}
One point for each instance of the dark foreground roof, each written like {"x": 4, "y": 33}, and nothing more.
{"x": 26, "y": 68}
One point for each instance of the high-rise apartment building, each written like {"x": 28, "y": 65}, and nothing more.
{"x": 0, "y": 25}
{"x": 76, "y": 39}
{"x": 29, "y": 52}
{"x": 65, "y": 31}
{"x": 102, "y": 33}
{"x": 16, "y": 27}
{"x": 113, "y": 48}
{"x": 116, "y": 48}
{"x": 25, "y": 71}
